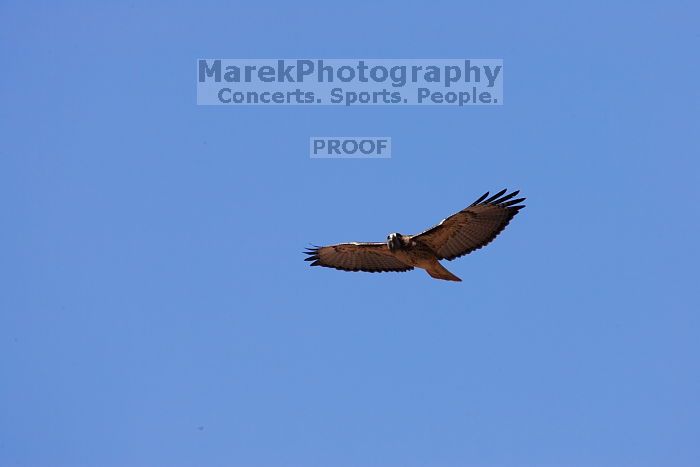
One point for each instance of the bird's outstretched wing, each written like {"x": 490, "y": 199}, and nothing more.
{"x": 369, "y": 257}
{"x": 473, "y": 227}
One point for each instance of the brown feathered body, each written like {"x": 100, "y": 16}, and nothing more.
{"x": 416, "y": 253}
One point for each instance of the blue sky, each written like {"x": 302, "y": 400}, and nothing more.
{"x": 155, "y": 308}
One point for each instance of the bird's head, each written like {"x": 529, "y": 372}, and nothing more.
{"x": 394, "y": 241}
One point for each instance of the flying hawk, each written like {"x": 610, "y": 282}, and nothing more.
{"x": 470, "y": 229}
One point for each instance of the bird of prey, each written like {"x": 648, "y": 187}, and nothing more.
{"x": 470, "y": 229}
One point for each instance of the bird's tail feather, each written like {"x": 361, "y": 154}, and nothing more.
{"x": 438, "y": 271}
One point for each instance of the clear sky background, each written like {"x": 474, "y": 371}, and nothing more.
{"x": 155, "y": 308}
